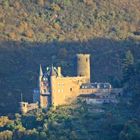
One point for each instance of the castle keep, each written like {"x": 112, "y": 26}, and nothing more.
{"x": 54, "y": 89}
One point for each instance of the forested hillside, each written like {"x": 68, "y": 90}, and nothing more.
{"x": 34, "y": 32}
{"x": 77, "y": 121}
{"x": 68, "y": 20}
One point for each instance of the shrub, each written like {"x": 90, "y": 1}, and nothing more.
{"x": 41, "y": 2}
{"x": 6, "y": 135}
{"x": 55, "y": 7}
{"x": 5, "y": 3}
{"x": 29, "y": 33}
{"x": 57, "y": 26}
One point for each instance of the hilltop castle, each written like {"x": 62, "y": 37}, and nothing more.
{"x": 54, "y": 89}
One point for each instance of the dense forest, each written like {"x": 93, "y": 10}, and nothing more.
{"x": 34, "y": 32}
{"x": 77, "y": 121}
{"x": 68, "y": 20}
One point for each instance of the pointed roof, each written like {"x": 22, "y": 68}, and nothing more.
{"x": 53, "y": 71}
{"x": 40, "y": 72}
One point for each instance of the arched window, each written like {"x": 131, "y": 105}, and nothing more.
{"x": 70, "y": 89}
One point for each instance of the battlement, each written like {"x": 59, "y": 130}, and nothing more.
{"x": 82, "y": 55}
{"x": 26, "y": 107}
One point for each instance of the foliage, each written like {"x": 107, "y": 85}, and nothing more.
{"x": 113, "y": 19}
{"x": 4, "y": 120}
{"x": 41, "y": 2}
{"x": 5, "y": 3}
{"x": 128, "y": 66}
{"x": 131, "y": 131}
{"x": 131, "y": 87}
{"x": 6, "y": 135}
{"x": 76, "y": 121}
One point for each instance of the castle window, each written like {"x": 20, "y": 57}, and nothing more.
{"x": 86, "y": 59}
{"x": 70, "y": 89}
{"x": 83, "y": 87}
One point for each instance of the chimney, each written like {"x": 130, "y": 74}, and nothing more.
{"x": 59, "y": 71}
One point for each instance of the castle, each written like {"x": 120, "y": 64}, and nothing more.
{"x": 54, "y": 89}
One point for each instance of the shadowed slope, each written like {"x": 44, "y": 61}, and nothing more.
{"x": 20, "y": 62}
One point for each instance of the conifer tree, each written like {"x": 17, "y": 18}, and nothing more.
{"x": 129, "y": 59}
{"x": 128, "y": 63}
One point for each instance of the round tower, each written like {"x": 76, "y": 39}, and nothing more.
{"x": 83, "y": 66}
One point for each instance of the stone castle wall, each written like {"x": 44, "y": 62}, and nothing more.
{"x": 26, "y": 107}
{"x": 63, "y": 89}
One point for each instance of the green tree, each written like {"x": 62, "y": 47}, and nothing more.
{"x": 134, "y": 84}
{"x": 6, "y": 135}
{"x": 128, "y": 69}
{"x": 43, "y": 136}
{"x": 131, "y": 131}
{"x": 131, "y": 77}
{"x": 5, "y": 3}
{"x": 129, "y": 59}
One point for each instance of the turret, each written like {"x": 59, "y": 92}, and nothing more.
{"x": 40, "y": 75}
{"x": 43, "y": 91}
{"x": 83, "y": 66}
{"x": 59, "y": 71}
{"x": 23, "y": 107}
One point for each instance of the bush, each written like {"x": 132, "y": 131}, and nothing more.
{"x": 5, "y": 3}
{"x": 6, "y": 135}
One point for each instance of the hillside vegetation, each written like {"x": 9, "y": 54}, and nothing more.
{"x": 77, "y": 121}
{"x": 68, "y": 20}
{"x": 34, "y": 32}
